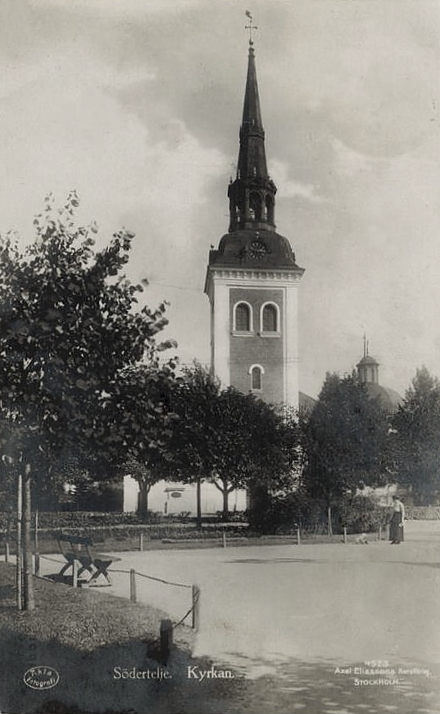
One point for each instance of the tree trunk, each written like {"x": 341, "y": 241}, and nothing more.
{"x": 225, "y": 494}
{"x": 143, "y": 501}
{"x": 199, "y": 504}
{"x": 329, "y": 521}
{"x": 28, "y": 584}
{"x": 36, "y": 531}
{"x": 19, "y": 567}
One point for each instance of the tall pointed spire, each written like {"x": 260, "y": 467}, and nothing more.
{"x": 252, "y": 154}
{"x": 252, "y": 238}
{"x": 252, "y": 194}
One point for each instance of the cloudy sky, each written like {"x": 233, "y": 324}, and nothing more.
{"x": 137, "y": 105}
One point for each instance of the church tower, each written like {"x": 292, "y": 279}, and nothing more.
{"x": 252, "y": 278}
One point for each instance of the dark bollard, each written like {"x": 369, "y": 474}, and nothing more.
{"x": 166, "y": 640}
{"x": 7, "y": 552}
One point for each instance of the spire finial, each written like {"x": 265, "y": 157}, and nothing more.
{"x": 250, "y": 27}
{"x": 365, "y": 345}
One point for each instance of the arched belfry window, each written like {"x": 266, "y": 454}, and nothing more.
{"x": 256, "y": 372}
{"x": 255, "y": 206}
{"x": 270, "y": 209}
{"x": 242, "y": 319}
{"x": 270, "y": 318}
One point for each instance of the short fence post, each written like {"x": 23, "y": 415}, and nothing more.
{"x": 75, "y": 573}
{"x": 132, "y": 585}
{"x": 37, "y": 564}
{"x": 166, "y": 639}
{"x": 224, "y": 539}
{"x": 380, "y": 533}
{"x": 141, "y": 541}
{"x": 195, "y": 607}
{"x": 36, "y": 530}
{"x": 298, "y": 537}
{"x": 6, "y": 552}
{"x": 345, "y": 534}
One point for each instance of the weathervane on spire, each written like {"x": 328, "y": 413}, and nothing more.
{"x": 250, "y": 27}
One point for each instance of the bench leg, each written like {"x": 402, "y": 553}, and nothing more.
{"x": 65, "y": 568}
{"x": 100, "y": 569}
{"x": 85, "y": 568}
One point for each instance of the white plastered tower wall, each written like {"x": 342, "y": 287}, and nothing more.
{"x": 218, "y": 292}
{"x": 291, "y": 336}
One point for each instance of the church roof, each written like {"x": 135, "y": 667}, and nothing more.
{"x": 252, "y": 242}
{"x": 389, "y": 398}
{"x": 252, "y": 155}
{"x": 368, "y": 359}
{"x": 253, "y": 249}
{"x": 305, "y": 402}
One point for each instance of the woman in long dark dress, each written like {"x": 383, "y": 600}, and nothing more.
{"x": 397, "y": 520}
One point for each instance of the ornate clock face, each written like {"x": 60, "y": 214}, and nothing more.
{"x": 257, "y": 250}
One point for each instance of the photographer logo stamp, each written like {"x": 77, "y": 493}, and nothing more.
{"x": 41, "y": 677}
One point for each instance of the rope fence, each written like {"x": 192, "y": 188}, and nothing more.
{"x": 167, "y": 627}
{"x": 164, "y": 642}
{"x": 159, "y": 580}
{"x": 46, "y": 557}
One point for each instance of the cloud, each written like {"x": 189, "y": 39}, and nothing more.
{"x": 289, "y": 188}
{"x": 137, "y": 105}
{"x": 119, "y": 10}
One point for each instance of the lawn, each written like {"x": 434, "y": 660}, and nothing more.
{"x": 84, "y": 635}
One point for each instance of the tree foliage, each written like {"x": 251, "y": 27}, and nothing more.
{"x": 143, "y": 420}
{"x": 416, "y": 438}
{"x": 229, "y": 438}
{"x": 344, "y": 440}
{"x": 70, "y": 325}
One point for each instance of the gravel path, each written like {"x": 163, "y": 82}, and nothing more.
{"x": 297, "y": 620}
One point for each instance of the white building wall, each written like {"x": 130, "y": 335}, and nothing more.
{"x": 160, "y": 498}
{"x": 221, "y": 331}
{"x": 291, "y": 380}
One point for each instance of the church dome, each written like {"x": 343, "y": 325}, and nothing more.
{"x": 368, "y": 360}
{"x": 250, "y": 248}
{"x": 389, "y": 399}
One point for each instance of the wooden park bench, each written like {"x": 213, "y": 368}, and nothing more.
{"x": 78, "y": 550}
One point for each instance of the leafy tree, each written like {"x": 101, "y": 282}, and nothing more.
{"x": 228, "y": 438}
{"x": 143, "y": 420}
{"x": 344, "y": 441}
{"x": 193, "y": 433}
{"x": 416, "y": 438}
{"x": 69, "y": 325}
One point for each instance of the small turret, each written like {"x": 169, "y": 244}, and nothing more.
{"x": 368, "y": 373}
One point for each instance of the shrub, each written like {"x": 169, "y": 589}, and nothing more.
{"x": 284, "y": 513}
{"x": 359, "y": 514}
